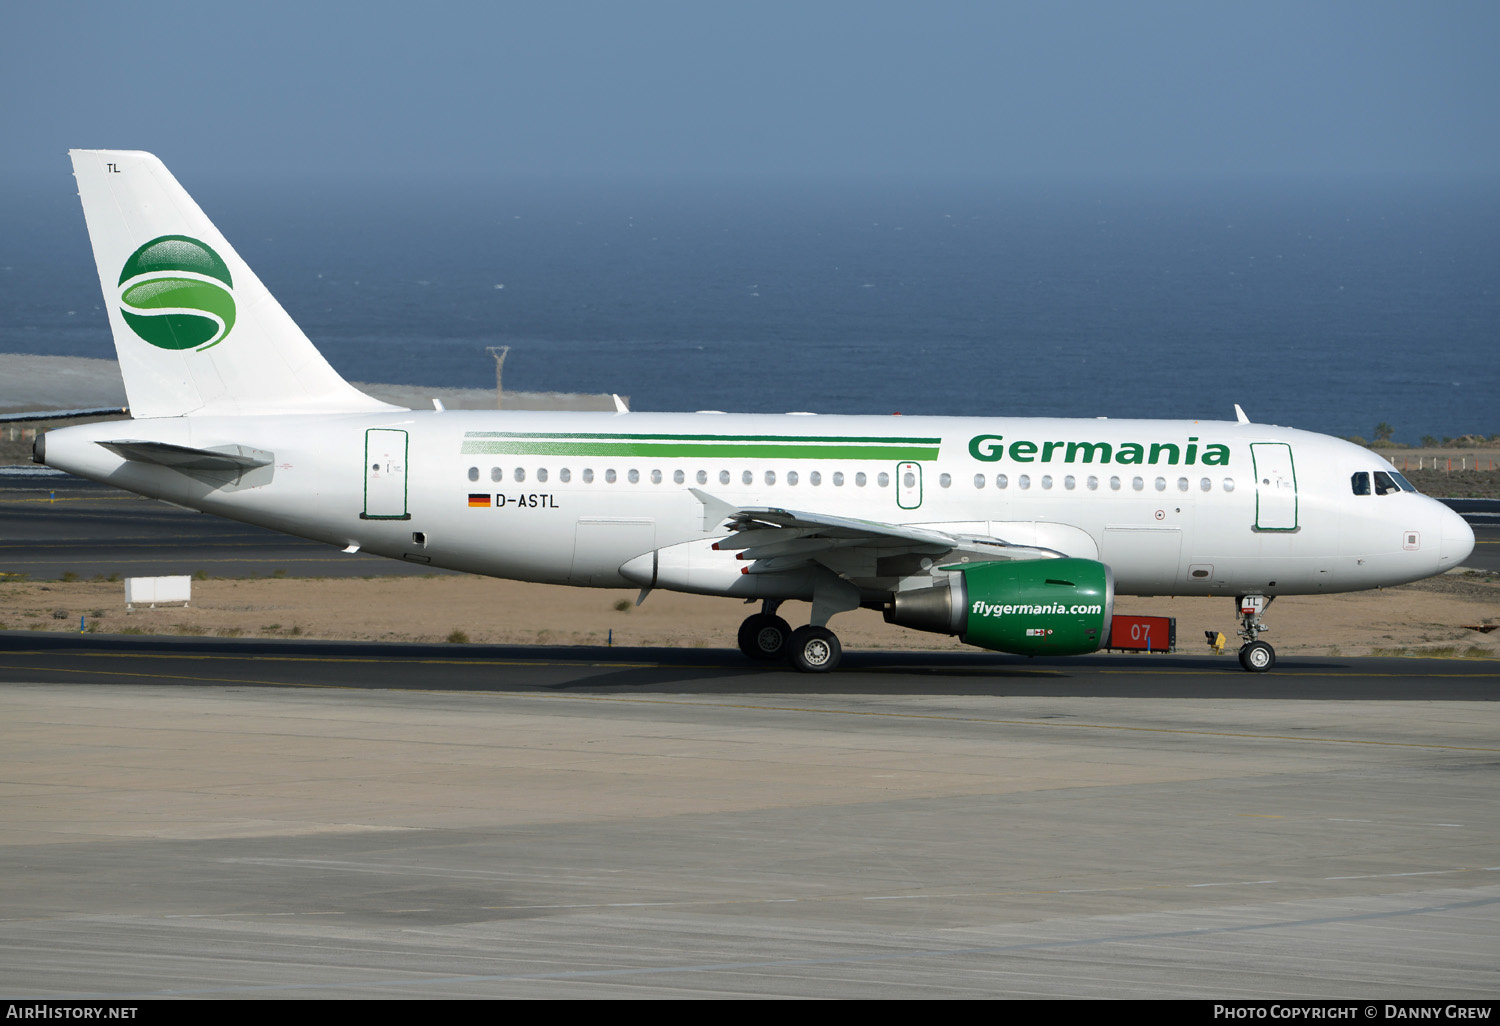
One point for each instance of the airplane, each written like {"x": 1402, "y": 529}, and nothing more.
{"x": 1014, "y": 534}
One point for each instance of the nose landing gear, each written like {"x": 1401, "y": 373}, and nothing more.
{"x": 1255, "y": 655}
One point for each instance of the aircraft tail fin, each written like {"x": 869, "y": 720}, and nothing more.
{"x": 195, "y": 330}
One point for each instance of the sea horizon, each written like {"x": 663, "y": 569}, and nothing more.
{"x": 1326, "y": 306}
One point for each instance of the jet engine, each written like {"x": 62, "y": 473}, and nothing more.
{"x": 1029, "y": 607}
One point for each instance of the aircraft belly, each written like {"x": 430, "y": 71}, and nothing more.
{"x": 1145, "y": 560}
{"x": 603, "y": 543}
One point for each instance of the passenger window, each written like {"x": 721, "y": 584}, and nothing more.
{"x": 588, "y": 475}
{"x": 496, "y": 474}
{"x": 656, "y": 477}
{"x": 1002, "y": 481}
{"x": 838, "y": 479}
{"x": 609, "y": 476}
{"x": 520, "y": 474}
{"x": 1024, "y": 481}
{"x": 678, "y": 477}
{"x": 703, "y": 477}
{"x": 978, "y": 480}
{"x": 634, "y": 476}
{"x": 473, "y": 473}
{"x": 541, "y": 475}
{"x": 815, "y": 478}
{"x": 1360, "y": 483}
{"x": 791, "y": 477}
{"x": 723, "y": 477}
{"x": 748, "y": 477}
{"x": 770, "y": 477}
{"x": 859, "y": 479}
{"x": 565, "y": 475}
{"x": 884, "y": 480}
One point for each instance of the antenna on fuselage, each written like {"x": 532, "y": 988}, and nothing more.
{"x": 1239, "y": 415}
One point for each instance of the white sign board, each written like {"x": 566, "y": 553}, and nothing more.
{"x": 151, "y": 590}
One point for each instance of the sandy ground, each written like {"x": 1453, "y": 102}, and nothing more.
{"x": 1422, "y": 618}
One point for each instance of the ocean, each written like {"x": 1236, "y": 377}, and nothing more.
{"x": 1326, "y": 307}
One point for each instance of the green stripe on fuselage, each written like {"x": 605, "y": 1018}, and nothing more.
{"x": 724, "y": 447}
{"x": 702, "y": 446}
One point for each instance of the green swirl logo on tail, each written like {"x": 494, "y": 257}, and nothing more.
{"x": 175, "y": 294}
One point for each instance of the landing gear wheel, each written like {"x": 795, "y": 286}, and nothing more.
{"x": 1257, "y": 657}
{"x": 814, "y": 649}
{"x": 763, "y": 636}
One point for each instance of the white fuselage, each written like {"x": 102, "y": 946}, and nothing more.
{"x": 1173, "y": 507}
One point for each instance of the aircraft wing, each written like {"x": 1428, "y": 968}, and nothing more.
{"x": 775, "y": 540}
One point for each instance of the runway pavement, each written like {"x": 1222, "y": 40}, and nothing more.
{"x": 239, "y": 818}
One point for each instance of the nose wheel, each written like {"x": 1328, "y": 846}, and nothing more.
{"x": 1257, "y": 657}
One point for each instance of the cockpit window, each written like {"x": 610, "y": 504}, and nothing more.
{"x": 1385, "y": 483}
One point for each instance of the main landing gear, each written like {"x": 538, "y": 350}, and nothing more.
{"x": 766, "y": 637}
{"x": 763, "y": 635}
{"x": 1255, "y": 655}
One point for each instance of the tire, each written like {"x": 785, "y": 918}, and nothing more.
{"x": 763, "y": 637}
{"x": 1257, "y": 657}
{"x": 814, "y": 649}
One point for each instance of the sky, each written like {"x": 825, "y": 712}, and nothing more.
{"x": 440, "y": 91}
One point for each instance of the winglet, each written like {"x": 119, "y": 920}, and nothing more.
{"x": 715, "y": 511}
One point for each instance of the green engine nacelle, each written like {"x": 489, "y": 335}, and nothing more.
{"x": 1029, "y": 607}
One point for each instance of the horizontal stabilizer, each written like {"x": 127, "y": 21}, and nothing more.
{"x": 233, "y": 459}
{"x": 98, "y": 411}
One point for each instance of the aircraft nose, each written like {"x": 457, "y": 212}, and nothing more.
{"x": 1457, "y": 543}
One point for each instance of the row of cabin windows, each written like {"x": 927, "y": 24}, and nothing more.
{"x": 565, "y": 475}
{"x": 1115, "y": 484}
{"x": 882, "y": 479}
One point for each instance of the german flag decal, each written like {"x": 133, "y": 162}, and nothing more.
{"x": 478, "y": 500}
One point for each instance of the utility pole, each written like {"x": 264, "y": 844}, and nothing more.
{"x": 498, "y": 352}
